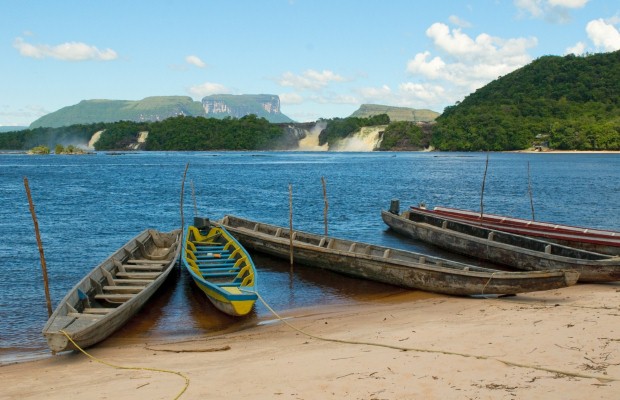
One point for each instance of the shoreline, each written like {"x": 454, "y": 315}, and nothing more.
{"x": 564, "y": 343}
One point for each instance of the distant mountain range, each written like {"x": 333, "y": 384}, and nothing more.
{"x": 396, "y": 113}
{"x": 162, "y": 107}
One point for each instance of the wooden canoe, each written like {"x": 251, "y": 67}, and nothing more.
{"x": 516, "y": 251}
{"x": 596, "y": 240}
{"x": 221, "y": 268}
{"x": 113, "y": 291}
{"x": 392, "y": 266}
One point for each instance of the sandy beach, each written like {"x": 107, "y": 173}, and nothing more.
{"x": 562, "y": 344}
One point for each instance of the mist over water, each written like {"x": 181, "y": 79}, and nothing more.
{"x": 88, "y": 206}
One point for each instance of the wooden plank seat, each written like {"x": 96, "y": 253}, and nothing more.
{"x": 98, "y": 310}
{"x": 114, "y": 297}
{"x": 223, "y": 263}
{"x": 87, "y": 315}
{"x": 214, "y": 270}
{"x": 134, "y": 281}
{"x": 232, "y": 284}
{"x": 212, "y": 254}
{"x": 123, "y": 289}
{"x": 219, "y": 274}
{"x": 145, "y": 261}
{"x": 138, "y": 275}
{"x": 134, "y": 267}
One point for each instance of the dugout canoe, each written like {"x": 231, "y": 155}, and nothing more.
{"x": 387, "y": 265}
{"x": 220, "y": 267}
{"x": 113, "y": 292}
{"x": 590, "y": 239}
{"x": 516, "y": 251}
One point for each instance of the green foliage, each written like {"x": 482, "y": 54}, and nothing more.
{"x": 119, "y": 135}
{"x": 182, "y": 133}
{"x": 26, "y": 139}
{"x": 404, "y": 135}
{"x": 108, "y": 111}
{"x": 339, "y": 128}
{"x": 575, "y": 101}
{"x": 59, "y": 149}
{"x": 40, "y": 150}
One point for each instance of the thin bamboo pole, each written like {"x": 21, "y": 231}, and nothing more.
{"x": 529, "y": 188}
{"x": 486, "y": 167}
{"x": 40, "y": 245}
{"x": 326, "y": 208}
{"x": 290, "y": 219}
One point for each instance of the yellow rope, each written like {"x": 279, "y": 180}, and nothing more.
{"x": 506, "y": 362}
{"x": 134, "y": 368}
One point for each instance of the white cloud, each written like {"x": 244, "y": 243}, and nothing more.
{"x": 70, "y": 51}
{"x": 455, "y": 20}
{"x": 206, "y": 89}
{"x": 423, "y": 93}
{"x": 603, "y": 34}
{"x": 552, "y": 10}
{"x": 568, "y": 3}
{"x": 533, "y": 7}
{"x": 195, "y": 61}
{"x": 471, "y": 62}
{"x": 462, "y": 65}
{"x": 291, "y": 98}
{"x": 578, "y": 49}
{"x": 309, "y": 80}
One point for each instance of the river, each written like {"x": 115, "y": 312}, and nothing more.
{"x": 88, "y": 206}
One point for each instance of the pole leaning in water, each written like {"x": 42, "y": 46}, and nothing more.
{"x": 40, "y": 244}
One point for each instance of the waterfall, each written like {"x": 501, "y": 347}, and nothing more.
{"x": 94, "y": 139}
{"x": 368, "y": 138}
{"x": 311, "y": 140}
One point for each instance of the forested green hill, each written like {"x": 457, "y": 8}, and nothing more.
{"x": 569, "y": 102}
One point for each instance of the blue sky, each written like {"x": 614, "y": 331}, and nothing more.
{"x": 324, "y": 58}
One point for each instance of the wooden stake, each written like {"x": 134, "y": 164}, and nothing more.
{"x": 529, "y": 188}
{"x": 40, "y": 244}
{"x": 486, "y": 167}
{"x": 290, "y": 219}
{"x": 326, "y": 204}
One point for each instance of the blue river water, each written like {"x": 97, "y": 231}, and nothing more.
{"x": 88, "y": 206}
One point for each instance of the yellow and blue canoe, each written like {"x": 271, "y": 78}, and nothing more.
{"x": 221, "y": 268}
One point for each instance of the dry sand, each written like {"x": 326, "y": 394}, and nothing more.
{"x": 561, "y": 344}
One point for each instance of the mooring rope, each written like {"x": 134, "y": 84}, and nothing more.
{"x": 421, "y": 350}
{"x": 133, "y": 368}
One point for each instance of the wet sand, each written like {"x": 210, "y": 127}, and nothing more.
{"x": 561, "y": 344}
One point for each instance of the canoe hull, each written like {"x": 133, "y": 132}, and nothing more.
{"x": 391, "y": 266}
{"x": 221, "y": 268}
{"x": 76, "y": 315}
{"x": 515, "y": 251}
{"x": 595, "y": 240}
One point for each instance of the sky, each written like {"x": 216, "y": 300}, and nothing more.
{"x": 324, "y": 58}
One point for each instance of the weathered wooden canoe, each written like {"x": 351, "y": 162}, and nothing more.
{"x": 596, "y": 240}
{"x": 221, "y": 267}
{"x": 113, "y": 291}
{"x": 516, "y": 251}
{"x": 397, "y": 267}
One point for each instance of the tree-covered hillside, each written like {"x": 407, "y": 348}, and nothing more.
{"x": 148, "y": 109}
{"x": 569, "y": 102}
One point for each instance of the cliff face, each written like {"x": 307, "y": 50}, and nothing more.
{"x": 236, "y": 106}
